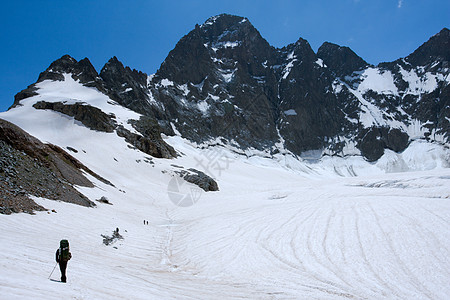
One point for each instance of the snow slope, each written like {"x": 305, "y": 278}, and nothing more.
{"x": 279, "y": 228}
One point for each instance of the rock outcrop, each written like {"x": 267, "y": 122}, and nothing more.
{"x": 91, "y": 117}
{"x": 149, "y": 141}
{"x": 30, "y": 168}
{"x": 200, "y": 179}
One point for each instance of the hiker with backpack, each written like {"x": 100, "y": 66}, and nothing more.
{"x": 63, "y": 255}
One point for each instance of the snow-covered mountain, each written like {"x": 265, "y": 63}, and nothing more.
{"x": 263, "y": 173}
{"x": 223, "y": 83}
{"x": 223, "y": 80}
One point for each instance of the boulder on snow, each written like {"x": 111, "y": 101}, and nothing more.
{"x": 200, "y": 179}
{"x": 376, "y": 139}
{"x": 105, "y": 200}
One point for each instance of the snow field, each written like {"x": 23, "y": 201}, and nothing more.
{"x": 278, "y": 228}
{"x": 285, "y": 237}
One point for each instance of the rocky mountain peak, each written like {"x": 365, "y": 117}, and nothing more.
{"x": 226, "y": 33}
{"x": 81, "y": 70}
{"x": 341, "y": 60}
{"x": 301, "y": 42}
{"x": 189, "y": 61}
{"x": 223, "y": 80}
{"x": 63, "y": 63}
{"x": 223, "y": 22}
{"x": 300, "y": 50}
{"x": 445, "y": 32}
{"x": 437, "y": 48}
{"x": 221, "y": 42}
{"x": 126, "y": 86}
{"x": 112, "y": 66}
{"x": 228, "y": 28}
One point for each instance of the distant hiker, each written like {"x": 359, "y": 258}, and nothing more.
{"x": 63, "y": 255}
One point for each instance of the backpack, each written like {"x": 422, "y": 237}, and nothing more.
{"x": 64, "y": 254}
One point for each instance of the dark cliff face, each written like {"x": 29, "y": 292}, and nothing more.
{"x": 127, "y": 87}
{"x": 256, "y": 95}
{"x": 252, "y": 93}
{"x": 211, "y": 83}
{"x": 222, "y": 42}
{"x": 342, "y": 61}
{"x": 437, "y": 48}
{"x": 189, "y": 61}
{"x": 433, "y": 57}
{"x": 308, "y": 114}
{"x": 223, "y": 81}
{"x": 423, "y": 87}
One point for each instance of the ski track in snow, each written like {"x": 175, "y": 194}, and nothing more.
{"x": 321, "y": 241}
{"x": 327, "y": 239}
{"x": 271, "y": 232}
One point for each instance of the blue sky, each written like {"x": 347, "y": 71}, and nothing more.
{"x": 141, "y": 33}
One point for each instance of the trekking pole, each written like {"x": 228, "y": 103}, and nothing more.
{"x": 52, "y": 270}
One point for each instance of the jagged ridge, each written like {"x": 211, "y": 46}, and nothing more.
{"x": 223, "y": 80}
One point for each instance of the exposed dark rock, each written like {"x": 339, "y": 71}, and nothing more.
{"x": 223, "y": 80}
{"x": 200, "y": 179}
{"x": 29, "y": 167}
{"x": 395, "y": 139}
{"x": 12, "y": 201}
{"x": 443, "y": 119}
{"x": 82, "y": 70}
{"x": 149, "y": 142}
{"x": 371, "y": 145}
{"x": 376, "y": 139}
{"x": 177, "y": 166}
{"x": 437, "y": 48}
{"x": 30, "y": 91}
{"x": 252, "y": 94}
{"x": 189, "y": 61}
{"x": 72, "y": 149}
{"x": 315, "y": 112}
{"x": 251, "y": 91}
{"x": 203, "y": 58}
{"x": 156, "y": 148}
{"x": 127, "y": 87}
{"x": 89, "y": 116}
{"x": 104, "y": 200}
{"x": 218, "y": 72}
{"x": 108, "y": 240}
{"x": 341, "y": 60}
